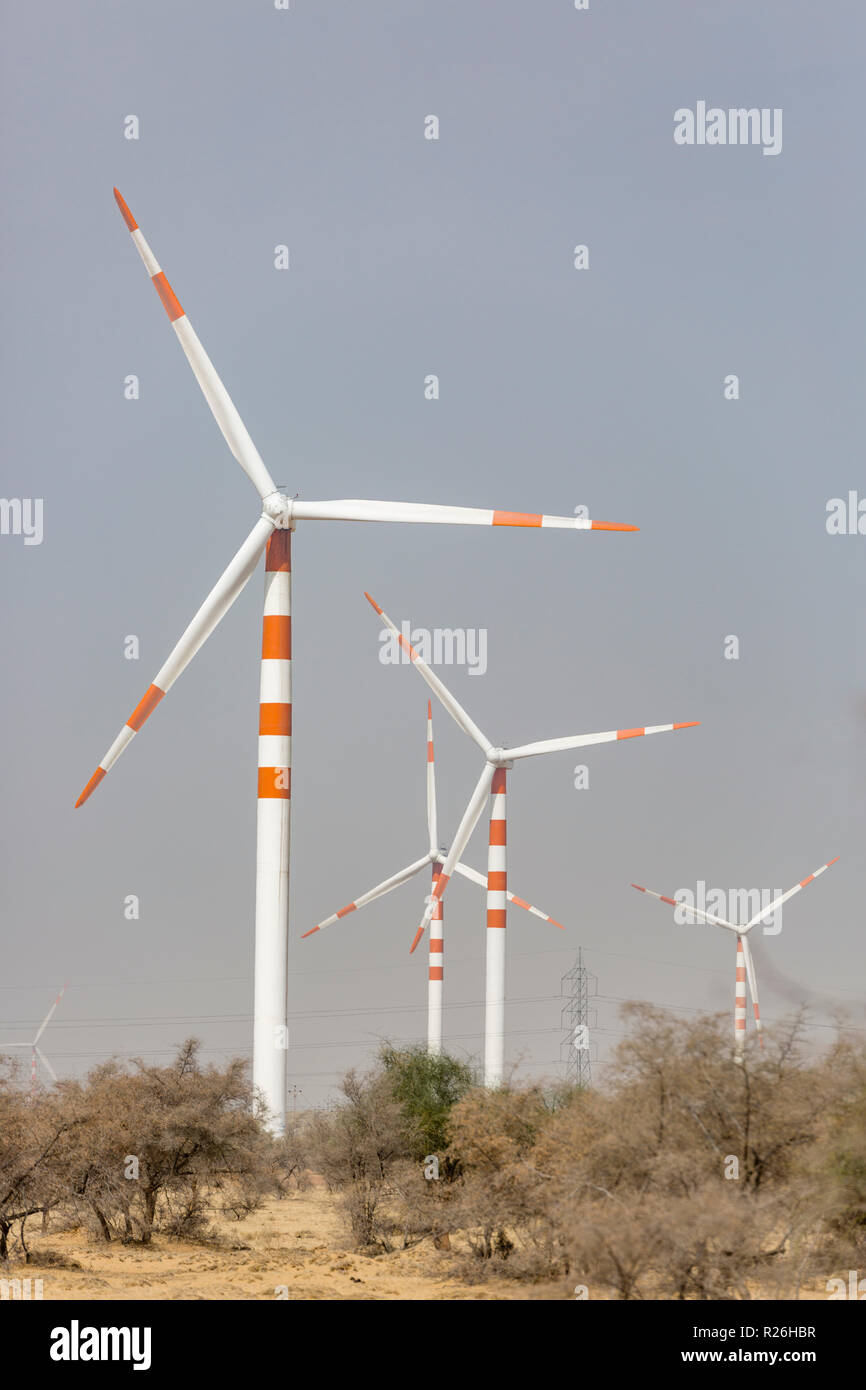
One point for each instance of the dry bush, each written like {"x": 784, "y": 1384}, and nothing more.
{"x": 157, "y": 1146}
{"x": 37, "y": 1149}
{"x": 500, "y": 1202}
{"x": 355, "y": 1147}
{"x": 689, "y": 1176}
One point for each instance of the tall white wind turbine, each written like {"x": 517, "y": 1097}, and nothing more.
{"x": 434, "y": 858}
{"x": 745, "y": 969}
{"x": 492, "y": 783}
{"x": 36, "y": 1052}
{"x": 272, "y": 534}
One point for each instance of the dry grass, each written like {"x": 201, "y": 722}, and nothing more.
{"x": 298, "y": 1242}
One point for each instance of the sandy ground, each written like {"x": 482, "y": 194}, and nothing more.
{"x": 295, "y": 1248}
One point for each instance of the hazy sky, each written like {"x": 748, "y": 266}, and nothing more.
{"x": 558, "y": 388}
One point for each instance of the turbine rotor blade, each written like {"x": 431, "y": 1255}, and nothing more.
{"x": 558, "y": 745}
{"x": 475, "y": 877}
{"x": 783, "y": 898}
{"x": 694, "y": 911}
{"x": 222, "y": 407}
{"x": 362, "y": 509}
{"x": 45, "y": 1062}
{"x": 468, "y": 823}
{"x": 453, "y": 706}
{"x": 377, "y": 892}
{"x": 216, "y": 605}
{"x": 432, "y": 825}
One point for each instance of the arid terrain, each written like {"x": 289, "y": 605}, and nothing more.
{"x": 293, "y": 1247}
{"x": 686, "y": 1176}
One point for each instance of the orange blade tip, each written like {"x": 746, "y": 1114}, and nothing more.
{"x": 305, "y": 934}
{"x": 419, "y": 933}
{"x": 372, "y": 601}
{"x": 557, "y": 924}
{"x": 124, "y": 210}
{"x": 692, "y": 724}
{"x": 430, "y": 716}
{"x": 613, "y": 526}
{"x": 91, "y": 786}
{"x": 834, "y": 861}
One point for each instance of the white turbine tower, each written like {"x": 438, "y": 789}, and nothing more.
{"x": 492, "y": 783}
{"x": 272, "y": 534}
{"x": 745, "y": 965}
{"x": 434, "y": 858}
{"x": 35, "y": 1050}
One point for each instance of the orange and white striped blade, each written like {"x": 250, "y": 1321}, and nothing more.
{"x": 558, "y": 745}
{"x": 361, "y": 509}
{"x": 222, "y": 407}
{"x": 454, "y": 708}
{"x": 695, "y": 912}
{"x": 215, "y": 606}
{"x": 432, "y": 823}
{"x": 740, "y": 1003}
{"x": 753, "y": 987}
{"x": 468, "y": 823}
{"x": 48, "y": 1017}
{"x": 475, "y": 877}
{"x": 783, "y": 898}
{"x": 379, "y": 891}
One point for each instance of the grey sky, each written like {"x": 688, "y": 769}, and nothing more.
{"x": 558, "y": 388}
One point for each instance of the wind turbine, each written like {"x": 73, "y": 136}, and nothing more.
{"x": 745, "y": 964}
{"x": 435, "y": 858}
{"x": 35, "y": 1050}
{"x": 272, "y": 534}
{"x": 492, "y": 783}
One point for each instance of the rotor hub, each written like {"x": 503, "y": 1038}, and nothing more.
{"x": 278, "y": 507}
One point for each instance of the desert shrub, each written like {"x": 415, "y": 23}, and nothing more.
{"x": 426, "y": 1088}
{"x": 355, "y": 1146}
{"x": 158, "y": 1145}
{"x": 37, "y": 1150}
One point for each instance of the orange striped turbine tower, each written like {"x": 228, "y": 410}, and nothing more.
{"x": 745, "y": 968}
{"x": 492, "y": 784}
{"x": 434, "y": 858}
{"x": 272, "y": 533}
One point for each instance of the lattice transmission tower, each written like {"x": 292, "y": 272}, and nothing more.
{"x": 578, "y": 985}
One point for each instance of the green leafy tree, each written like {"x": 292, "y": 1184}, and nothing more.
{"x": 426, "y": 1087}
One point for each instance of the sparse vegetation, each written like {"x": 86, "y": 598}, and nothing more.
{"x": 684, "y": 1177}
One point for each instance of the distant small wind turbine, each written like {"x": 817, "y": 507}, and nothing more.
{"x": 745, "y": 964}
{"x": 35, "y": 1050}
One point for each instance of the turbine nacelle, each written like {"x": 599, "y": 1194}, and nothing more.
{"x": 277, "y": 507}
